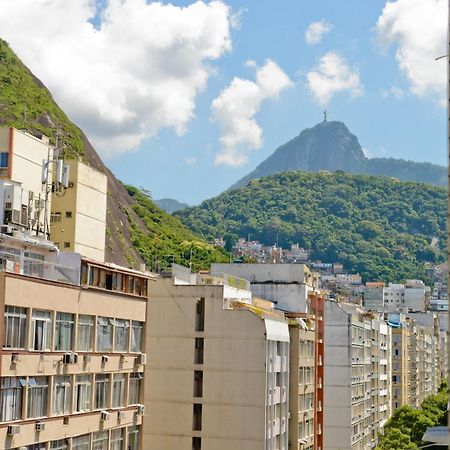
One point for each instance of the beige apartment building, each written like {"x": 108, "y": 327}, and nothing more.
{"x": 302, "y": 382}
{"x": 22, "y": 192}
{"x": 72, "y": 360}
{"x": 78, "y": 213}
{"x": 217, "y": 377}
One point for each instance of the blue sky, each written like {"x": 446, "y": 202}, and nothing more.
{"x": 410, "y": 128}
{"x": 394, "y": 107}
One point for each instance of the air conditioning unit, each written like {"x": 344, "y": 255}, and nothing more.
{"x": 40, "y": 426}
{"x": 6, "y": 229}
{"x": 13, "y": 429}
{"x": 104, "y": 359}
{"x": 104, "y": 415}
{"x": 87, "y": 358}
{"x": 141, "y": 359}
{"x": 70, "y": 358}
{"x": 141, "y": 410}
{"x": 14, "y": 358}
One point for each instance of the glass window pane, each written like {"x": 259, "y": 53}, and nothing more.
{"x": 85, "y": 333}
{"x": 64, "y": 331}
{"x": 104, "y": 334}
{"x": 11, "y": 392}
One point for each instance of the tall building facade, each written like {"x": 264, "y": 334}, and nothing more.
{"x": 72, "y": 358}
{"x": 356, "y": 377}
{"x": 218, "y": 368}
{"x": 78, "y": 213}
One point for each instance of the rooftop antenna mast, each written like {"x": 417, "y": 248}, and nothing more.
{"x": 325, "y": 115}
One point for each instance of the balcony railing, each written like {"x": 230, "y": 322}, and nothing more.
{"x": 37, "y": 268}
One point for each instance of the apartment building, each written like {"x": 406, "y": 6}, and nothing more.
{"x": 217, "y": 377}
{"x": 78, "y": 213}
{"x": 413, "y": 296}
{"x": 302, "y": 382}
{"x": 419, "y": 357}
{"x": 356, "y": 377}
{"x": 287, "y": 285}
{"x": 22, "y": 192}
{"x": 72, "y": 359}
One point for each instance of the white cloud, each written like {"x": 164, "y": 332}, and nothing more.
{"x": 332, "y": 75}
{"x": 137, "y": 72}
{"x": 418, "y": 29}
{"x": 367, "y": 153}
{"x": 234, "y": 110}
{"x": 250, "y": 63}
{"x": 393, "y": 91}
{"x": 316, "y": 31}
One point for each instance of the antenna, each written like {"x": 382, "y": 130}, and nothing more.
{"x": 325, "y": 115}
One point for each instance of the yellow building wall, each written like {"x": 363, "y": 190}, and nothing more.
{"x": 85, "y": 230}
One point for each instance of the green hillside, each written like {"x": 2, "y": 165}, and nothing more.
{"x": 377, "y": 226}
{"x": 137, "y": 230}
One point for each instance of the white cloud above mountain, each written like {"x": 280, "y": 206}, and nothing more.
{"x": 235, "y": 108}
{"x": 134, "y": 73}
{"x": 331, "y": 76}
{"x": 316, "y": 31}
{"x": 418, "y": 29}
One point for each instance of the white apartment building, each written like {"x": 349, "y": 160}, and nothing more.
{"x": 287, "y": 285}
{"x": 356, "y": 377}
{"x": 413, "y": 296}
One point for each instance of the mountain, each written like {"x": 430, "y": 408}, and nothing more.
{"x": 170, "y": 205}
{"x": 137, "y": 230}
{"x": 379, "y": 227}
{"x": 331, "y": 146}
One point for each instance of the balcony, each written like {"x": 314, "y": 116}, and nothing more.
{"x": 37, "y": 268}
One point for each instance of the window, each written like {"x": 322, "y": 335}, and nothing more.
{"x": 41, "y": 329}
{"x": 104, "y": 334}
{"x": 100, "y": 440}
{"x": 81, "y": 442}
{"x": 136, "y": 336}
{"x": 4, "y": 159}
{"x": 62, "y": 444}
{"x": 40, "y": 446}
{"x": 64, "y": 331}
{"x": 37, "y": 397}
{"x": 15, "y": 322}
{"x": 122, "y": 335}
{"x": 118, "y": 390}
{"x": 134, "y": 388}
{"x": 55, "y": 217}
{"x": 85, "y": 333}
{"x": 61, "y": 395}
{"x": 11, "y": 392}
{"x": 66, "y": 244}
{"x": 200, "y": 315}
{"x": 68, "y": 214}
{"x": 133, "y": 438}
{"x": 101, "y": 391}
{"x": 117, "y": 438}
{"x": 198, "y": 383}
{"x": 82, "y": 393}
{"x": 196, "y": 443}
{"x": 198, "y": 353}
{"x": 197, "y": 419}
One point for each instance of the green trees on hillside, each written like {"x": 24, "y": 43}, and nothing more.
{"x": 377, "y": 226}
{"x": 166, "y": 239}
{"x": 404, "y": 430}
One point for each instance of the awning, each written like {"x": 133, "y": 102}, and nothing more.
{"x": 276, "y": 331}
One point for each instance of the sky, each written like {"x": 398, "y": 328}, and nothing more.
{"x": 184, "y": 98}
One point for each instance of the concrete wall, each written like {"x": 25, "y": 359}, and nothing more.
{"x": 234, "y": 372}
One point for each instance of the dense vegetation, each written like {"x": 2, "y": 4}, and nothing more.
{"x": 26, "y": 103}
{"x": 379, "y": 227}
{"x": 166, "y": 240}
{"x": 404, "y": 430}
